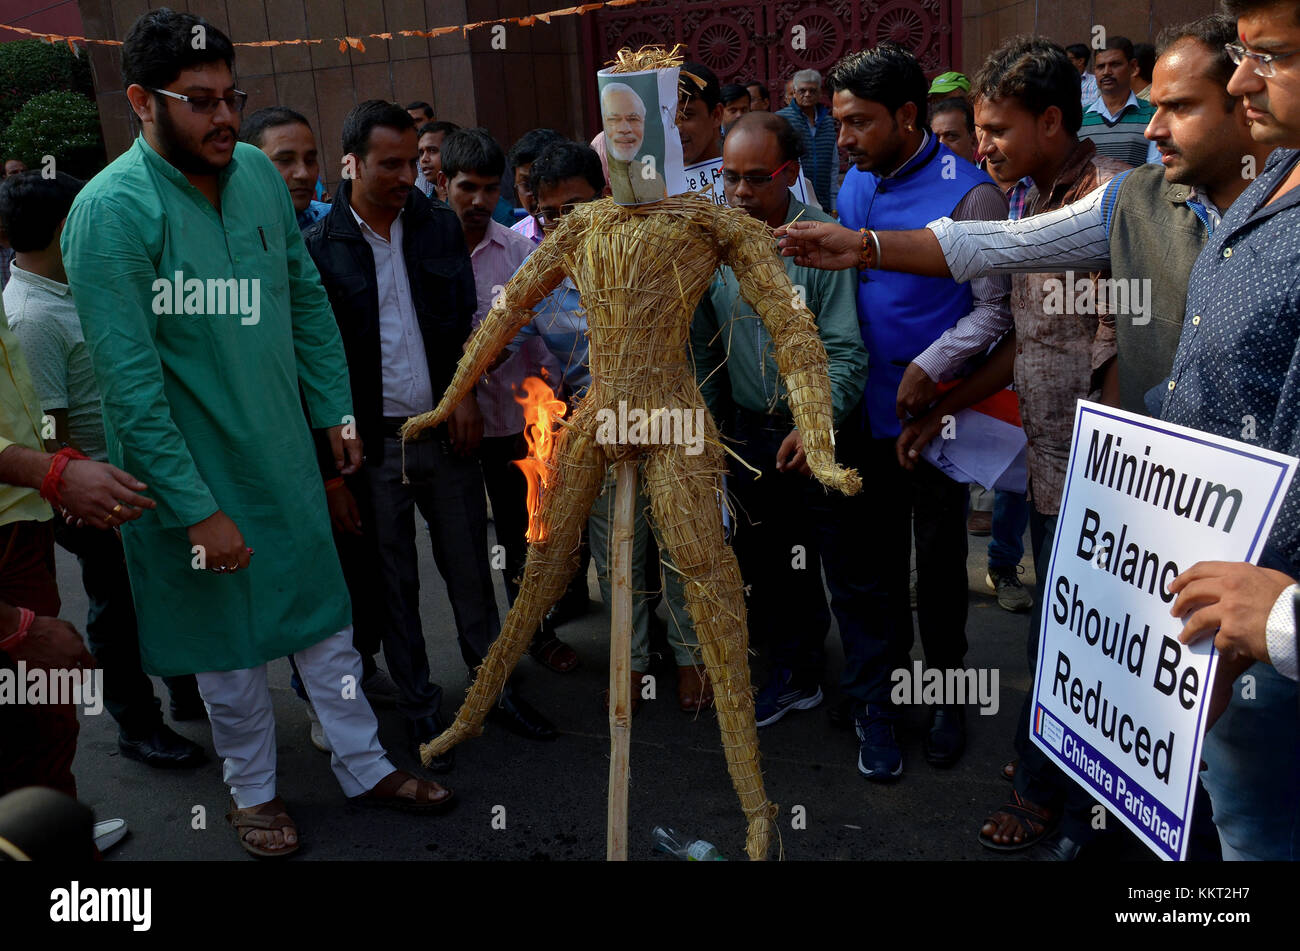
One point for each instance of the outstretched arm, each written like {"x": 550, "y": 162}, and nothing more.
{"x": 800, "y": 356}
{"x": 536, "y": 278}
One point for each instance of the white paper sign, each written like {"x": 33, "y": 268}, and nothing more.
{"x": 703, "y": 174}
{"x": 1119, "y": 703}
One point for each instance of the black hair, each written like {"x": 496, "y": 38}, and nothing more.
{"x": 1123, "y": 44}
{"x": 365, "y": 116}
{"x": 530, "y": 145}
{"x": 254, "y": 127}
{"x": 442, "y": 125}
{"x": 1213, "y": 32}
{"x": 788, "y": 141}
{"x": 1080, "y": 51}
{"x": 956, "y": 104}
{"x": 887, "y": 74}
{"x": 1036, "y": 72}
{"x": 762, "y": 90}
{"x": 563, "y": 160}
{"x": 1145, "y": 54}
{"x": 474, "y": 152}
{"x": 422, "y": 106}
{"x": 32, "y": 206}
{"x": 732, "y": 92}
{"x": 1243, "y": 8}
{"x": 690, "y": 90}
{"x": 162, "y": 43}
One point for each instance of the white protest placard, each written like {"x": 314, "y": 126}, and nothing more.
{"x": 1119, "y": 704}
{"x": 703, "y": 174}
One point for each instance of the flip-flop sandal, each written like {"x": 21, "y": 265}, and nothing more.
{"x": 692, "y": 697}
{"x": 555, "y": 654}
{"x": 385, "y": 796}
{"x": 268, "y": 817}
{"x": 1027, "y": 813}
{"x": 1008, "y": 771}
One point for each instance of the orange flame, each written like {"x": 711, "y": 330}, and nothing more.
{"x": 541, "y": 410}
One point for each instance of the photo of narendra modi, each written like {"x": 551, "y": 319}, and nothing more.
{"x": 638, "y": 112}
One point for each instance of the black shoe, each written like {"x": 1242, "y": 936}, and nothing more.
{"x": 425, "y": 730}
{"x": 946, "y": 738}
{"x": 162, "y": 748}
{"x": 518, "y": 716}
{"x": 1059, "y": 847}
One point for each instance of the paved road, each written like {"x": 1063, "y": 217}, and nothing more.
{"x": 553, "y": 794}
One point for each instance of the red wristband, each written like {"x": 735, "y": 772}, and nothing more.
{"x": 25, "y": 618}
{"x": 52, "y": 484}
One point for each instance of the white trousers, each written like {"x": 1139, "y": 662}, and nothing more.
{"x": 243, "y": 725}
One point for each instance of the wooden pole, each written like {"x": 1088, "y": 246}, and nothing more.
{"x": 620, "y": 660}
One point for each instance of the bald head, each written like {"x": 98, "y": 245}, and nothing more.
{"x": 769, "y": 124}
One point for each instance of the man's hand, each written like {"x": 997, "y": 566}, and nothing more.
{"x": 916, "y": 433}
{"x": 102, "y": 495}
{"x": 346, "y": 449}
{"x": 1232, "y": 598}
{"x": 343, "y": 510}
{"x": 915, "y": 393}
{"x": 820, "y": 244}
{"x": 52, "y": 644}
{"x": 222, "y": 544}
{"x": 465, "y": 426}
{"x": 790, "y": 456}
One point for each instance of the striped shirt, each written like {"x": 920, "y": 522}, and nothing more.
{"x": 1119, "y": 135}
{"x": 821, "y": 159}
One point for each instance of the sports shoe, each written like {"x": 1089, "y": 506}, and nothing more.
{"x": 879, "y": 757}
{"x": 109, "y": 833}
{"x": 317, "y": 731}
{"x": 780, "y": 696}
{"x": 1012, "y": 595}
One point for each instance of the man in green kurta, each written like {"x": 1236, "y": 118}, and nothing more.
{"x": 206, "y": 320}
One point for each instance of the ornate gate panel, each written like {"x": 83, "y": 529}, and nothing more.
{"x": 758, "y": 38}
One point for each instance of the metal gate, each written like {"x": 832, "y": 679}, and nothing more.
{"x": 759, "y": 39}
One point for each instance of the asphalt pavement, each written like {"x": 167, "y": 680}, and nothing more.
{"x": 527, "y": 800}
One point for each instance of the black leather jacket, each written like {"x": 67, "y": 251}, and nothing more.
{"x": 442, "y": 290}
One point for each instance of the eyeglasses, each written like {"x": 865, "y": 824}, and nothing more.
{"x": 1263, "y": 61}
{"x": 550, "y": 222}
{"x": 207, "y": 105}
{"x": 753, "y": 181}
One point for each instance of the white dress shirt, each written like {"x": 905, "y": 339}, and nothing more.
{"x": 408, "y": 390}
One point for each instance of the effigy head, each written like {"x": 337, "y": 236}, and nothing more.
{"x": 638, "y": 109}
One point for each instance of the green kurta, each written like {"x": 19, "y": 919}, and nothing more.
{"x": 204, "y": 407}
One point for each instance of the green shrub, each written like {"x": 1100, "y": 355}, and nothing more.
{"x": 60, "y": 123}
{"x": 31, "y": 67}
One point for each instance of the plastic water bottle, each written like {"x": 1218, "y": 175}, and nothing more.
{"x": 696, "y": 850}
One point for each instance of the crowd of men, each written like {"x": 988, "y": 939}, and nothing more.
{"x": 206, "y": 377}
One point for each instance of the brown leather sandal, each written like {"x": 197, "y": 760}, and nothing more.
{"x": 268, "y": 817}
{"x": 694, "y": 689}
{"x": 554, "y": 653}
{"x": 429, "y": 796}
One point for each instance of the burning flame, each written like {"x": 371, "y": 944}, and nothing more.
{"x": 541, "y": 411}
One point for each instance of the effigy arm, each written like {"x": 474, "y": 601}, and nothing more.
{"x": 536, "y": 278}
{"x": 800, "y": 355}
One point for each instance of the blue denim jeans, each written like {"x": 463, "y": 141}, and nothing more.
{"x": 1010, "y": 516}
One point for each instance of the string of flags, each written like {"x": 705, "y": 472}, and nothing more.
{"x": 358, "y": 42}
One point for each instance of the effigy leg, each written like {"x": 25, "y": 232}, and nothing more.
{"x": 577, "y": 473}
{"x": 684, "y": 499}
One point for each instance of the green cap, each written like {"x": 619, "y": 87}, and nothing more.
{"x": 949, "y": 82}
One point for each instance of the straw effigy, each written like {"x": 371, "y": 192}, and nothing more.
{"x": 640, "y": 271}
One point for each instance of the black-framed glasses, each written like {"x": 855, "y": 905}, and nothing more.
{"x": 1263, "y": 61}
{"x": 753, "y": 181}
{"x": 207, "y": 105}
